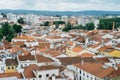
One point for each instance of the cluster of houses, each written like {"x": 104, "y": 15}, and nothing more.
{"x": 33, "y": 20}
{"x": 57, "y": 55}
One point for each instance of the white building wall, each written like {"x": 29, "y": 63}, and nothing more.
{"x": 44, "y": 74}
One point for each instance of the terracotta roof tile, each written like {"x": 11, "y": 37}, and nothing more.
{"x": 95, "y": 69}
{"x": 105, "y": 49}
{"x": 53, "y": 53}
{"x": 14, "y": 49}
{"x": 41, "y": 58}
{"x": 103, "y": 59}
{"x": 77, "y": 49}
{"x": 94, "y": 46}
{"x": 9, "y": 62}
{"x": 87, "y": 55}
{"x": 16, "y": 74}
{"x": 73, "y": 60}
{"x": 54, "y": 37}
{"x": 28, "y": 71}
{"x": 26, "y": 57}
{"x": 115, "y": 73}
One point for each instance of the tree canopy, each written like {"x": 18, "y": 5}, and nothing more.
{"x": 8, "y": 31}
{"x": 90, "y": 26}
{"x": 17, "y": 28}
{"x": 5, "y": 28}
{"x": 107, "y": 24}
{"x": 21, "y": 21}
{"x": 46, "y": 23}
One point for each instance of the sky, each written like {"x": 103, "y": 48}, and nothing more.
{"x": 61, "y": 5}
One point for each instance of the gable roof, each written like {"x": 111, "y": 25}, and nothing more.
{"x": 41, "y": 58}
{"x": 95, "y": 69}
{"x": 26, "y": 57}
{"x": 16, "y": 74}
{"x": 10, "y": 62}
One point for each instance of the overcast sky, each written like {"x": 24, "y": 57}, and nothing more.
{"x": 61, "y": 5}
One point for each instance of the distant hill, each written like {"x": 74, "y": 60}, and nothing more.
{"x": 56, "y": 13}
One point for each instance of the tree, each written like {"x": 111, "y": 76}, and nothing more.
{"x": 7, "y": 32}
{"x": 11, "y": 35}
{"x": 21, "y": 21}
{"x": 107, "y": 24}
{"x": 78, "y": 27}
{"x": 5, "y": 29}
{"x": 46, "y": 23}
{"x": 17, "y": 28}
{"x": 67, "y": 27}
{"x": 90, "y": 26}
{"x": 1, "y": 36}
{"x": 58, "y": 22}
{"x": 4, "y": 15}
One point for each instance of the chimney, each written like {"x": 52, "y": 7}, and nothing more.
{"x": 82, "y": 62}
{"x": 21, "y": 35}
{"x": 113, "y": 26}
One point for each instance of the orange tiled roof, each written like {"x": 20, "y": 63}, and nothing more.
{"x": 87, "y": 55}
{"x": 77, "y": 49}
{"x": 95, "y": 69}
{"x": 26, "y": 57}
{"x": 25, "y": 37}
{"x": 16, "y": 74}
{"x": 10, "y": 62}
{"x": 115, "y": 74}
{"x": 103, "y": 59}
{"x": 14, "y": 49}
{"x": 94, "y": 46}
{"x": 28, "y": 71}
{"x": 41, "y": 49}
{"x": 53, "y": 52}
{"x": 41, "y": 58}
{"x": 54, "y": 37}
{"x": 73, "y": 60}
{"x": 106, "y": 49}
{"x": 118, "y": 45}
{"x": 41, "y": 40}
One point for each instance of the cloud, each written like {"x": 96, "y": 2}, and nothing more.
{"x": 61, "y": 5}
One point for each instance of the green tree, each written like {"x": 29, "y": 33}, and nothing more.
{"x": 11, "y": 35}
{"x": 4, "y": 15}
{"x": 107, "y": 24}
{"x": 17, "y": 28}
{"x": 90, "y": 26}
{"x": 46, "y": 23}
{"x": 1, "y": 36}
{"x": 58, "y": 22}
{"x": 67, "y": 27}
{"x": 78, "y": 27}
{"x": 5, "y": 29}
{"x": 21, "y": 21}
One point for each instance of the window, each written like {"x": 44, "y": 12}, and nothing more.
{"x": 83, "y": 74}
{"x": 87, "y": 76}
{"x": 80, "y": 71}
{"x": 40, "y": 76}
{"x": 53, "y": 75}
{"x": 91, "y": 78}
{"x": 47, "y": 75}
{"x": 12, "y": 67}
{"x": 8, "y": 67}
{"x": 80, "y": 77}
{"x": 95, "y": 78}
{"x": 25, "y": 65}
{"x": 21, "y": 66}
